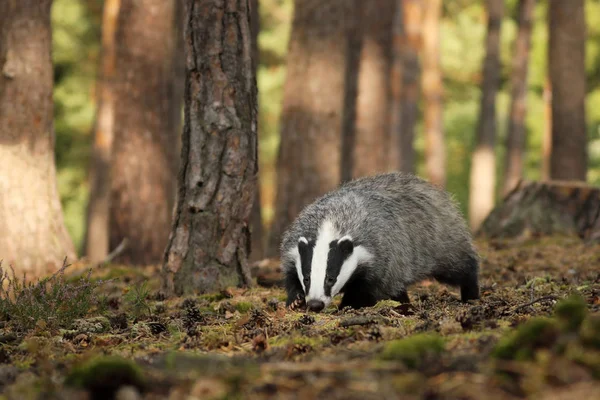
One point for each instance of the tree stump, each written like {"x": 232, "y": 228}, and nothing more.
{"x": 546, "y": 208}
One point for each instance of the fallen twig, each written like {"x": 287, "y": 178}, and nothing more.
{"x": 538, "y": 300}
{"x": 360, "y": 320}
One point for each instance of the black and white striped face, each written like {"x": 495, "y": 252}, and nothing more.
{"x": 326, "y": 264}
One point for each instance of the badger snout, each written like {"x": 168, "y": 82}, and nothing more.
{"x": 315, "y": 305}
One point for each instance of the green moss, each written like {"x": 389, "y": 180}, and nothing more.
{"x": 413, "y": 350}
{"x": 243, "y": 306}
{"x": 590, "y": 331}
{"x": 212, "y": 297}
{"x": 571, "y": 312}
{"x": 521, "y": 345}
{"x": 104, "y": 375}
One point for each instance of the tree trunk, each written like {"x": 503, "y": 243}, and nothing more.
{"x": 309, "y": 153}
{"x": 372, "y": 140}
{"x": 435, "y": 147}
{"x": 96, "y": 245}
{"x": 483, "y": 167}
{"x": 546, "y": 208}
{"x": 566, "y": 63}
{"x": 210, "y": 240}
{"x": 407, "y": 45}
{"x": 145, "y": 132}
{"x": 547, "y": 138}
{"x": 256, "y": 223}
{"x": 516, "y": 139}
{"x": 34, "y": 237}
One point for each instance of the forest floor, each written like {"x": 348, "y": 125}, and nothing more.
{"x": 522, "y": 339}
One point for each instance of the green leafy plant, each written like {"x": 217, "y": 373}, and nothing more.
{"x": 54, "y": 300}
{"x": 137, "y": 299}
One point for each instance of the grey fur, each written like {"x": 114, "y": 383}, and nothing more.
{"x": 414, "y": 230}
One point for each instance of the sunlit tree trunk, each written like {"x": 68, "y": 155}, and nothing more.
{"x": 33, "y": 235}
{"x": 407, "y": 45}
{"x": 435, "y": 147}
{"x": 96, "y": 245}
{"x": 144, "y": 160}
{"x": 516, "y": 138}
{"x": 566, "y": 63}
{"x": 483, "y": 167}
{"x": 309, "y": 155}
{"x": 371, "y": 148}
{"x": 210, "y": 239}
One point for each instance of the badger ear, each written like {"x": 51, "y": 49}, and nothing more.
{"x": 302, "y": 244}
{"x": 346, "y": 246}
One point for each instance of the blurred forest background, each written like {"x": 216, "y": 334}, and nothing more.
{"x": 76, "y": 26}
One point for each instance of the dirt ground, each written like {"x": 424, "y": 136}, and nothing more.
{"x": 520, "y": 340}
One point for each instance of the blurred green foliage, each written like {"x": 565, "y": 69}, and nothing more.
{"x": 76, "y": 25}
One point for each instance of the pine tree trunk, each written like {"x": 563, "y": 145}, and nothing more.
{"x": 435, "y": 147}
{"x": 309, "y": 154}
{"x": 566, "y": 62}
{"x": 145, "y": 132}
{"x": 210, "y": 240}
{"x": 256, "y": 223}
{"x": 408, "y": 45}
{"x": 96, "y": 246}
{"x": 546, "y": 208}
{"x": 516, "y": 139}
{"x": 34, "y": 237}
{"x": 372, "y": 135}
{"x": 483, "y": 167}
{"x": 547, "y": 134}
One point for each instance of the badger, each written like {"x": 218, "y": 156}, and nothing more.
{"x": 372, "y": 238}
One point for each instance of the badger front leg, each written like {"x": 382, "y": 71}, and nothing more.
{"x": 296, "y": 298}
{"x": 358, "y": 294}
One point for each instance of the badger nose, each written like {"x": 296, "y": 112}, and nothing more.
{"x": 315, "y": 305}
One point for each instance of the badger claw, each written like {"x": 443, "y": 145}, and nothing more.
{"x": 298, "y": 304}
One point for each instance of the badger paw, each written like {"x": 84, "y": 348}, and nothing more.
{"x": 298, "y": 304}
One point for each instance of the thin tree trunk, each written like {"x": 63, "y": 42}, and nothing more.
{"x": 547, "y": 138}
{"x": 210, "y": 240}
{"x": 409, "y": 47}
{"x": 516, "y": 138}
{"x": 566, "y": 63}
{"x": 309, "y": 154}
{"x": 256, "y": 223}
{"x": 483, "y": 167}
{"x": 396, "y": 73}
{"x": 354, "y": 42}
{"x": 145, "y": 130}
{"x": 34, "y": 237}
{"x": 96, "y": 246}
{"x": 435, "y": 146}
{"x": 370, "y": 153}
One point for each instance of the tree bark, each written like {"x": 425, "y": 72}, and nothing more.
{"x": 256, "y": 223}
{"x": 407, "y": 45}
{"x": 435, "y": 146}
{"x": 483, "y": 167}
{"x": 96, "y": 246}
{"x": 34, "y": 237}
{"x": 547, "y": 138}
{"x": 372, "y": 133}
{"x": 516, "y": 138}
{"x": 309, "y": 153}
{"x": 145, "y": 131}
{"x": 210, "y": 240}
{"x": 566, "y": 63}
{"x": 546, "y": 208}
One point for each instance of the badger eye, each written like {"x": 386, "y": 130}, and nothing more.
{"x": 306, "y": 280}
{"x": 329, "y": 280}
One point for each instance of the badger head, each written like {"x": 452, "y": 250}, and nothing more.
{"x": 326, "y": 264}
